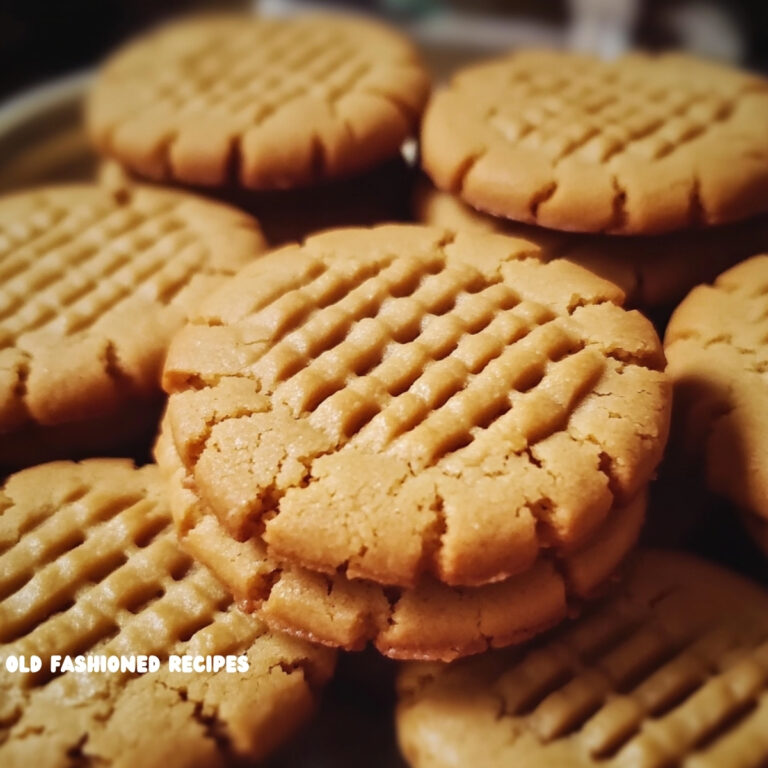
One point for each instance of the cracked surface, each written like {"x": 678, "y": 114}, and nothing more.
{"x": 400, "y": 401}
{"x": 90, "y": 564}
{"x": 671, "y": 670}
{"x": 653, "y": 271}
{"x": 641, "y": 145}
{"x": 430, "y": 621}
{"x": 92, "y": 287}
{"x": 718, "y": 360}
{"x": 262, "y": 103}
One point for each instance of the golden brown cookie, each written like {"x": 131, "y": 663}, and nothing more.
{"x": 640, "y": 145}
{"x": 430, "y": 621}
{"x": 672, "y": 670}
{"x": 401, "y": 401}
{"x": 92, "y": 287}
{"x": 718, "y": 356}
{"x": 89, "y": 564}
{"x": 264, "y": 103}
{"x": 653, "y": 271}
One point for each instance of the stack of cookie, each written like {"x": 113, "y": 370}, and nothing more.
{"x": 300, "y": 121}
{"x": 435, "y": 442}
{"x": 650, "y": 170}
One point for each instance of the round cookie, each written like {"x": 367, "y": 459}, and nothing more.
{"x": 717, "y": 357}
{"x": 92, "y": 287}
{"x": 640, "y": 145}
{"x": 401, "y": 401}
{"x": 430, "y": 621}
{"x": 672, "y": 670}
{"x": 264, "y": 103}
{"x": 653, "y": 271}
{"x": 90, "y": 565}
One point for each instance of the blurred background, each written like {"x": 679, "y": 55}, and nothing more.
{"x": 40, "y": 40}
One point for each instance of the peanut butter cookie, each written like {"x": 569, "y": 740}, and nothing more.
{"x": 90, "y": 566}
{"x": 92, "y": 287}
{"x": 640, "y": 145}
{"x": 263, "y": 103}
{"x": 401, "y": 401}
{"x": 672, "y": 670}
